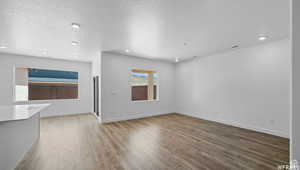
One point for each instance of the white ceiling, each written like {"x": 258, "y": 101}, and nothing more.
{"x": 148, "y": 28}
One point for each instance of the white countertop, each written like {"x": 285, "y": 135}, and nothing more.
{"x": 20, "y": 112}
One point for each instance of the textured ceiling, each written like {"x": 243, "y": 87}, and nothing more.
{"x": 148, "y": 28}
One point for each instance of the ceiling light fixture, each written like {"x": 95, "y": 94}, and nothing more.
{"x": 75, "y": 43}
{"x": 127, "y": 51}
{"x": 235, "y": 46}
{"x": 44, "y": 52}
{"x": 3, "y": 47}
{"x": 75, "y": 25}
{"x": 262, "y": 38}
{"x": 176, "y": 59}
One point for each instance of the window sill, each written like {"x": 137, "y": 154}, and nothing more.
{"x": 43, "y": 101}
{"x": 144, "y": 101}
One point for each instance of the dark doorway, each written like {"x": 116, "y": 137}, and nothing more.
{"x": 96, "y": 94}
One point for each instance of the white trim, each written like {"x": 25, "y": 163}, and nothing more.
{"x": 43, "y": 101}
{"x": 49, "y": 115}
{"x": 143, "y": 101}
{"x": 244, "y": 126}
{"x": 235, "y": 124}
{"x": 291, "y": 79}
{"x": 97, "y": 117}
{"x": 129, "y": 117}
{"x": 157, "y": 87}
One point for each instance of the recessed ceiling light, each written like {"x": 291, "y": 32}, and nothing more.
{"x": 75, "y": 25}
{"x": 262, "y": 38}
{"x": 127, "y": 51}
{"x": 75, "y": 43}
{"x": 235, "y": 46}
{"x": 176, "y": 59}
{"x": 3, "y": 47}
{"x": 44, "y": 52}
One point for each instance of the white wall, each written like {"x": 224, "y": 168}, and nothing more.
{"x": 247, "y": 87}
{"x": 296, "y": 80}
{"x": 116, "y": 91}
{"x": 58, "y": 107}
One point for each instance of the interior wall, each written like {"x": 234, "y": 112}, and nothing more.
{"x": 295, "y": 144}
{"x": 116, "y": 88}
{"x": 58, "y": 107}
{"x": 247, "y": 87}
{"x": 21, "y": 76}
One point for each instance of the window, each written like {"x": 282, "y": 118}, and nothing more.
{"x": 144, "y": 85}
{"x": 40, "y": 84}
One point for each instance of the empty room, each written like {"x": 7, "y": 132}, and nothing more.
{"x": 149, "y": 85}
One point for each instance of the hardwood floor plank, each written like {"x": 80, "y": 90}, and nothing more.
{"x": 164, "y": 142}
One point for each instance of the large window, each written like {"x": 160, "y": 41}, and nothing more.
{"x": 40, "y": 84}
{"x": 144, "y": 85}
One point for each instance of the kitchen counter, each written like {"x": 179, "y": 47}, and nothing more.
{"x": 20, "y": 112}
{"x": 19, "y": 131}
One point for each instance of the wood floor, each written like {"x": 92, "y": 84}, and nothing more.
{"x": 164, "y": 142}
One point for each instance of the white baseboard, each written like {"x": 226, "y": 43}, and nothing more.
{"x": 97, "y": 117}
{"x": 129, "y": 117}
{"x": 235, "y": 124}
{"x": 45, "y": 115}
{"x": 59, "y": 115}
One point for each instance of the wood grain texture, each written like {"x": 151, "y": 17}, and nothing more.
{"x": 171, "y": 141}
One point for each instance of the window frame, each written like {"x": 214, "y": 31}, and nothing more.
{"x": 40, "y": 101}
{"x": 157, "y": 86}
